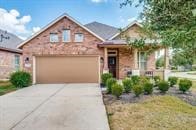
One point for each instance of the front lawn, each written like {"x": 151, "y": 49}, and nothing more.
{"x": 156, "y": 112}
{"x": 6, "y": 87}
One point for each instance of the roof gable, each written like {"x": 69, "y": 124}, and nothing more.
{"x": 126, "y": 28}
{"x": 55, "y": 21}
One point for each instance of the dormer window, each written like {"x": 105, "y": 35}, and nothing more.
{"x": 79, "y": 37}
{"x": 66, "y": 35}
{"x": 54, "y": 37}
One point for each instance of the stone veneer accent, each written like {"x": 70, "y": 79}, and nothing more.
{"x": 7, "y": 63}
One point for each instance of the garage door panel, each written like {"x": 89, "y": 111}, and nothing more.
{"x": 69, "y": 69}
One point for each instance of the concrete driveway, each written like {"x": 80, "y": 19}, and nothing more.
{"x": 54, "y": 107}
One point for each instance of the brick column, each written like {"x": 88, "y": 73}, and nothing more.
{"x": 105, "y": 68}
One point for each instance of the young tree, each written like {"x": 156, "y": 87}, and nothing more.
{"x": 173, "y": 20}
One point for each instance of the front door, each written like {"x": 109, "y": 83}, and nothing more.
{"x": 112, "y": 65}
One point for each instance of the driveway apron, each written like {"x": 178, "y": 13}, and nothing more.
{"x": 54, "y": 107}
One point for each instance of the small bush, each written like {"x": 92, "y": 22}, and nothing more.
{"x": 163, "y": 86}
{"x": 148, "y": 88}
{"x": 137, "y": 89}
{"x": 144, "y": 79}
{"x": 117, "y": 90}
{"x": 127, "y": 84}
{"x": 21, "y": 79}
{"x": 135, "y": 79}
{"x": 172, "y": 81}
{"x": 105, "y": 77}
{"x": 157, "y": 79}
{"x": 109, "y": 83}
{"x": 184, "y": 85}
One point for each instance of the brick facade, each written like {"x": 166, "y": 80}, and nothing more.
{"x": 126, "y": 61}
{"x": 7, "y": 63}
{"x": 41, "y": 45}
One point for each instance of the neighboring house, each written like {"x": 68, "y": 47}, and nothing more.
{"x": 9, "y": 54}
{"x": 67, "y": 51}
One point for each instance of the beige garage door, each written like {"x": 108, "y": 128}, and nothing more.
{"x": 67, "y": 69}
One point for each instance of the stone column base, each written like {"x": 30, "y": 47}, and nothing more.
{"x": 166, "y": 73}
{"x": 136, "y": 72}
{"x": 105, "y": 71}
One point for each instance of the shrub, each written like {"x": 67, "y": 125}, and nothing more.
{"x": 148, "y": 88}
{"x": 127, "y": 84}
{"x": 156, "y": 80}
{"x": 104, "y": 77}
{"x": 20, "y": 79}
{"x": 135, "y": 79}
{"x": 137, "y": 89}
{"x": 117, "y": 90}
{"x": 172, "y": 81}
{"x": 109, "y": 83}
{"x": 144, "y": 79}
{"x": 163, "y": 86}
{"x": 184, "y": 85}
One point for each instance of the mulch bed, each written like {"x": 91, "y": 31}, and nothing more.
{"x": 189, "y": 97}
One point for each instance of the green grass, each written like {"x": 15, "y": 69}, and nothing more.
{"x": 6, "y": 87}
{"x": 194, "y": 85}
{"x": 158, "y": 112}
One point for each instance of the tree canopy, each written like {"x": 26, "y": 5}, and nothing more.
{"x": 173, "y": 20}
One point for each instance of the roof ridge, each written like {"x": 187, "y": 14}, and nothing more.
{"x": 100, "y": 23}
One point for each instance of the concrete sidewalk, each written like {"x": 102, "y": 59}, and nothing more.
{"x": 54, "y": 107}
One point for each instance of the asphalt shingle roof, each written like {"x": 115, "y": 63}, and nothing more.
{"x": 9, "y": 40}
{"x": 103, "y": 30}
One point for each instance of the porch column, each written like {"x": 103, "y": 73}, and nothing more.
{"x": 166, "y": 58}
{"x": 136, "y": 70}
{"x": 105, "y": 68}
{"x": 166, "y": 63}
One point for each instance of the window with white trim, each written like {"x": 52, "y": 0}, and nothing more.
{"x": 79, "y": 37}
{"x": 54, "y": 37}
{"x": 66, "y": 35}
{"x": 142, "y": 60}
{"x": 17, "y": 62}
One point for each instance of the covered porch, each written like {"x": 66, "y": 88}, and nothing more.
{"x": 122, "y": 60}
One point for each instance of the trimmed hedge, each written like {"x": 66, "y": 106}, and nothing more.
{"x": 157, "y": 79}
{"x": 135, "y": 79}
{"x": 137, "y": 89}
{"x": 163, "y": 86}
{"x": 172, "y": 81}
{"x": 109, "y": 83}
{"x": 127, "y": 84}
{"x": 105, "y": 77}
{"x": 185, "y": 85}
{"x": 148, "y": 88}
{"x": 21, "y": 79}
{"x": 117, "y": 90}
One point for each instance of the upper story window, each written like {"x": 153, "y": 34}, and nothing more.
{"x": 142, "y": 60}
{"x": 54, "y": 37}
{"x": 66, "y": 35}
{"x": 79, "y": 37}
{"x": 17, "y": 62}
